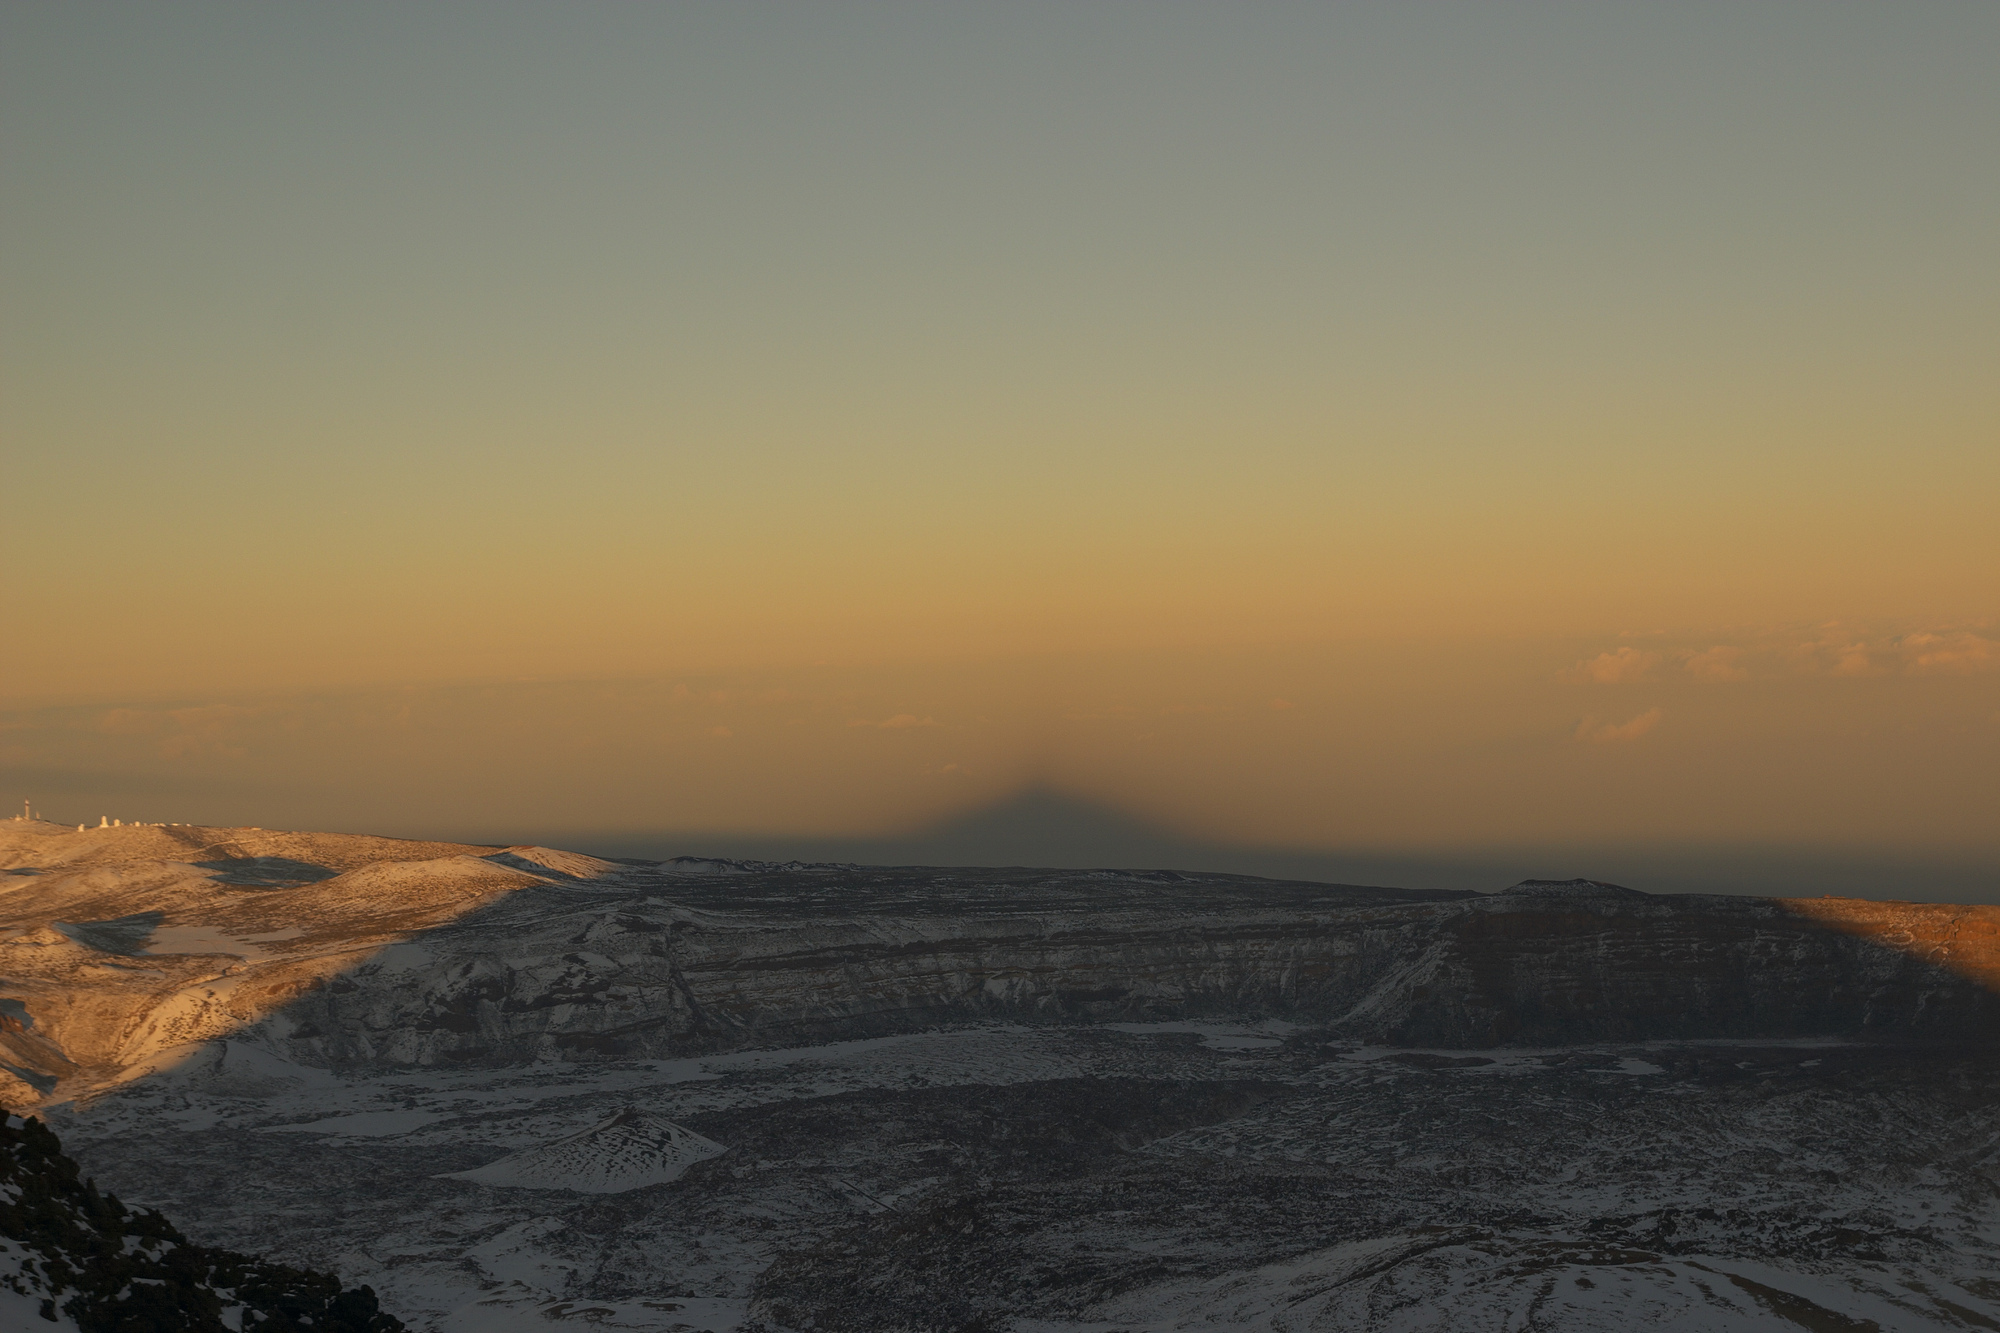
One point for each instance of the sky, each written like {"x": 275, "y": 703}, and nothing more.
{"x": 1422, "y": 434}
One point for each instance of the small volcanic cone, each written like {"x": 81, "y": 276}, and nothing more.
{"x": 625, "y": 1151}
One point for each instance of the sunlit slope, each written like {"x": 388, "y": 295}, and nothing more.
{"x": 1963, "y": 940}
{"x": 38, "y": 844}
{"x": 126, "y": 951}
{"x": 122, "y": 947}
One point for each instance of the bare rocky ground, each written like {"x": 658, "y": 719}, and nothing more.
{"x": 1138, "y": 1177}
{"x": 1026, "y": 1100}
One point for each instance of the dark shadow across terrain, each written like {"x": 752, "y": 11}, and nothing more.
{"x": 273, "y": 872}
{"x": 1041, "y": 826}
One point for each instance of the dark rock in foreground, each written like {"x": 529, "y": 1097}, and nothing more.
{"x": 80, "y": 1259}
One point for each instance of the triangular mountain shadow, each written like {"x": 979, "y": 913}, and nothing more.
{"x": 1038, "y": 826}
{"x": 1041, "y": 825}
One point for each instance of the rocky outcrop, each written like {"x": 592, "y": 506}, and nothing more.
{"x": 119, "y": 961}
{"x": 72, "y": 1257}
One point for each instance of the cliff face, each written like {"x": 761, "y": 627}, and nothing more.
{"x": 1521, "y": 967}
{"x": 122, "y": 959}
{"x": 1548, "y": 964}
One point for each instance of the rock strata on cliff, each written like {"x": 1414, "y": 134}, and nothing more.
{"x": 127, "y": 950}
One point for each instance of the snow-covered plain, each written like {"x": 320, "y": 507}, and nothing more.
{"x": 1100, "y": 1163}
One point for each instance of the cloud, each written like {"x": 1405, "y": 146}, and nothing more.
{"x": 1627, "y": 664}
{"x": 1717, "y": 664}
{"x": 1917, "y": 652}
{"x": 720, "y": 731}
{"x": 129, "y": 722}
{"x": 1611, "y": 733}
{"x": 1931, "y": 651}
{"x": 1959, "y": 653}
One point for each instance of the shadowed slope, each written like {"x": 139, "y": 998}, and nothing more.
{"x": 117, "y": 967}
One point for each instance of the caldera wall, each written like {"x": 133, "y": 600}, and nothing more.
{"x": 119, "y": 957}
{"x": 1536, "y": 967}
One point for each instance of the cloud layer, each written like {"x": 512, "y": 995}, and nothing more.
{"x": 1780, "y": 653}
{"x": 1718, "y": 735}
